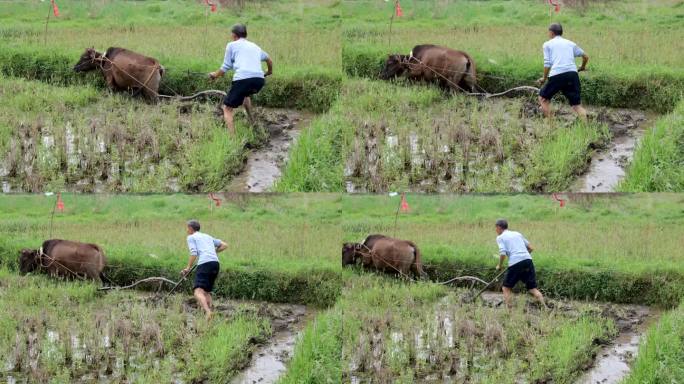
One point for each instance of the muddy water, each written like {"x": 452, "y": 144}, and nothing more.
{"x": 607, "y": 166}
{"x": 263, "y": 166}
{"x": 269, "y": 361}
{"x": 612, "y": 364}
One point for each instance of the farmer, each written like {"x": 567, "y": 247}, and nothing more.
{"x": 520, "y": 267}
{"x": 561, "y": 72}
{"x": 245, "y": 58}
{"x": 203, "y": 249}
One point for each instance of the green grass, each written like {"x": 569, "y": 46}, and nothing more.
{"x": 278, "y": 246}
{"x": 632, "y": 64}
{"x": 119, "y": 335}
{"x": 658, "y": 164}
{"x": 187, "y": 44}
{"x": 660, "y": 355}
{"x": 68, "y": 136}
{"x": 602, "y": 247}
{"x": 419, "y": 332}
{"x": 381, "y": 137}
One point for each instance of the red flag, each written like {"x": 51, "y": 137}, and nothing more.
{"x": 216, "y": 199}
{"x": 561, "y": 201}
{"x": 60, "y": 203}
{"x": 55, "y": 10}
{"x": 212, "y": 5}
{"x": 556, "y": 4}
{"x": 404, "y": 203}
{"x": 397, "y": 9}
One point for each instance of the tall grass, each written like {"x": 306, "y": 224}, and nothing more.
{"x": 660, "y": 355}
{"x": 658, "y": 164}
{"x": 382, "y": 137}
{"x": 278, "y": 246}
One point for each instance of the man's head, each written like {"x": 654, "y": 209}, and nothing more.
{"x": 239, "y": 31}
{"x": 501, "y": 225}
{"x": 555, "y": 29}
{"x": 193, "y": 226}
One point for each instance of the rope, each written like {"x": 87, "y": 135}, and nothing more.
{"x": 154, "y": 278}
{"x": 53, "y": 261}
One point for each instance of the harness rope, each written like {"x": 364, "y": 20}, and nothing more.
{"x": 42, "y": 255}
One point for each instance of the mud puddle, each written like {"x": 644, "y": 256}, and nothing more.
{"x": 612, "y": 363}
{"x": 269, "y": 360}
{"x": 607, "y": 166}
{"x": 263, "y": 166}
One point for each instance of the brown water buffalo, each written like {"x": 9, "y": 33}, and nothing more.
{"x": 124, "y": 70}
{"x": 449, "y": 68}
{"x": 65, "y": 258}
{"x": 385, "y": 254}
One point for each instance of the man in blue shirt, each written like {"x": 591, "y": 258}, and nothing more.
{"x": 245, "y": 58}
{"x": 561, "y": 72}
{"x": 203, "y": 249}
{"x": 520, "y": 267}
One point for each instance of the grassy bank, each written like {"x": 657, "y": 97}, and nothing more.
{"x": 118, "y": 336}
{"x": 275, "y": 252}
{"x": 187, "y": 40}
{"x": 382, "y": 137}
{"x": 610, "y": 248}
{"x": 661, "y": 353}
{"x": 631, "y": 65}
{"x": 658, "y": 164}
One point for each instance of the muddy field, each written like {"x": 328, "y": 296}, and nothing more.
{"x": 454, "y": 341}
{"x": 500, "y": 144}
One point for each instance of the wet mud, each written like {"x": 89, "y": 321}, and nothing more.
{"x": 264, "y": 165}
{"x": 269, "y": 361}
{"x": 454, "y": 157}
{"x": 439, "y": 346}
{"x": 607, "y": 166}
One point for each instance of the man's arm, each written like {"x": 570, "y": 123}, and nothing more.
{"x": 220, "y": 245}
{"x": 547, "y": 65}
{"x": 191, "y": 262}
{"x": 585, "y": 60}
{"x": 528, "y": 245}
{"x": 502, "y": 258}
{"x": 269, "y": 64}
{"x": 227, "y": 65}
{"x": 502, "y": 253}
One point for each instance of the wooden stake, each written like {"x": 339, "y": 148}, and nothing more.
{"x": 47, "y": 20}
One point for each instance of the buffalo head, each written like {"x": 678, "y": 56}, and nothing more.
{"x": 350, "y": 252}
{"x": 28, "y": 260}
{"x": 88, "y": 61}
{"x": 395, "y": 65}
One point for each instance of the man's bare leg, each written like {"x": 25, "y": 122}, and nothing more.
{"x": 248, "y": 107}
{"x": 201, "y": 297}
{"x": 508, "y": 294}
{"x": 545, "y": 106}
{"x": 581, "y": 112}
{"x": 228, "y": 117}
{"x": 538, "y": 295}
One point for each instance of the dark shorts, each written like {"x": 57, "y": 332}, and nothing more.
{"x": 521, "y": 271}
{"x": 206, "y": 275}
{"x": 568, "y": 83}
{"x": 242, "y": 88}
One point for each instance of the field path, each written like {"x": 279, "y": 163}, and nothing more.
{"x": 263, "y": 166}
{"x": 607, "y": 167}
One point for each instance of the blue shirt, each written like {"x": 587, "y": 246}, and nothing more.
{"x": 204, "y": 247}
{"x": 245, "y": 58}
{"x": 513, "y": 245}
{"x": 559, "y": 55}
